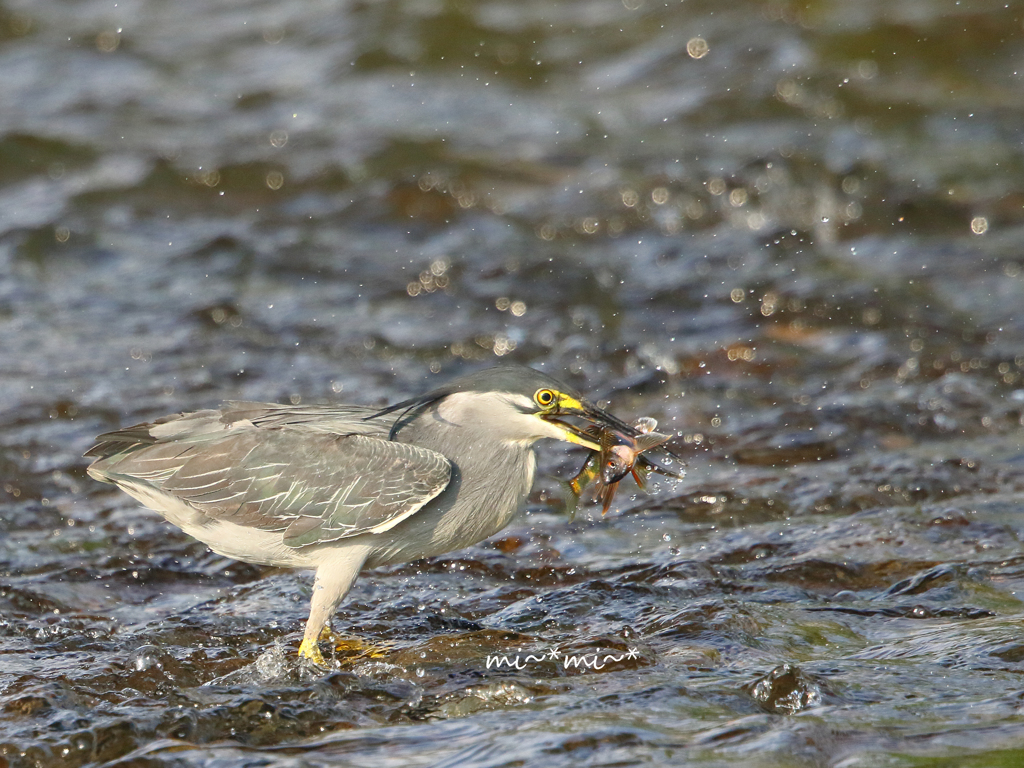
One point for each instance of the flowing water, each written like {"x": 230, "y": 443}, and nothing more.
{"x": 790, "y": 232}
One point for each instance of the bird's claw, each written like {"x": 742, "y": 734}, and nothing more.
{"x": 310, "y": 649}
{"x": 353, "y": 647}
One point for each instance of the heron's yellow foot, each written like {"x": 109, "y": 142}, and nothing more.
{"x": 311, "y": 650}
{"x": 353, "y": 646}
{"x": 327, "y": 634}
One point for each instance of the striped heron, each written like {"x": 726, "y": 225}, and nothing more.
{"x": 338, "y": 488}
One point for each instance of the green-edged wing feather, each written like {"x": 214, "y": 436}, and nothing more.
{"x": 314, "y": 486}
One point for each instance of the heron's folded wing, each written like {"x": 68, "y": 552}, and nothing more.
{"x": 314, "y": 487}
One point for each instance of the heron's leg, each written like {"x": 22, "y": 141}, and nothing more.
{"x": 338, "y": 569}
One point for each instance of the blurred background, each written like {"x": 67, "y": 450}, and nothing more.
{"x": 790, "y": 231}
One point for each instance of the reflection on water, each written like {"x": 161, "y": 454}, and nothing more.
{"x": 789, "y": 233}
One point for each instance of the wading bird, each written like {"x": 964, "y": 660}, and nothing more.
{"x": 344, "y": 487}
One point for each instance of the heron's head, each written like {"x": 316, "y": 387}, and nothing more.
{"x": 516, "y": 404}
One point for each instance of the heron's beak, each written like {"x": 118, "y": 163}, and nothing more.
{"x": 571, "y": 406}
{"x": 572, "y": 434}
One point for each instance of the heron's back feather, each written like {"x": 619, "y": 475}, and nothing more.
{"x": 316, "y": 473}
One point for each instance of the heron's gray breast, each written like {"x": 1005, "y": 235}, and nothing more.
{"x": 482, "y": 497}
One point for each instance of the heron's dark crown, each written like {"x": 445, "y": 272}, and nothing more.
{"x": 514, "y": 379}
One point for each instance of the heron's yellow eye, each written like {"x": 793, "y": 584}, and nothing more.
{"x": 544, "y": 397}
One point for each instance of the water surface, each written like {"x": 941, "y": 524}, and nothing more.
{"x": 791, "y": 233}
